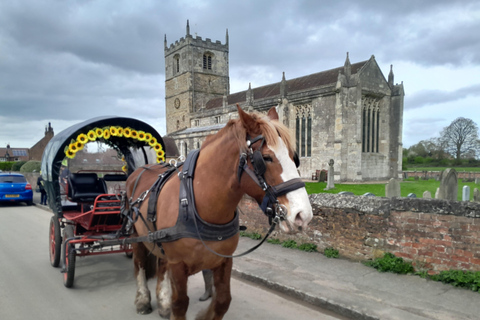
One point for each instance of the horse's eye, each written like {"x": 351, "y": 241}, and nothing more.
{"x": 267, "y": 159}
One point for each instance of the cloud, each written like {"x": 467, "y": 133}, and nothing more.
{"x": 69, "y": 61}
{"x": 429, "y": 97}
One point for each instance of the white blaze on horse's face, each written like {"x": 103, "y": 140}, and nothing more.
{"x": 299, "y": 208}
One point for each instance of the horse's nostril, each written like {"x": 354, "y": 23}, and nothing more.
{"x": 299, "y": 219}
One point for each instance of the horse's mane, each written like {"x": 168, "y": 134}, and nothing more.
{"x": 270, "y": 129}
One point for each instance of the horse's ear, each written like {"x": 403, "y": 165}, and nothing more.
{"x": 272, "y": 114}
{"x": 247, "y": 120}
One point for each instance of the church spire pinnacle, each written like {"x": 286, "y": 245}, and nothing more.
{"x": 390, "y": 77}
{"x": 283, "y": 86}
{"x": 188, "y": 28}
{"x": 347, "y": 68}
{"x": 226, "y": 37}
{"x": 165, "y": 41}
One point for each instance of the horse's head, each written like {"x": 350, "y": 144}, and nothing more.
{"x": 271, "y": 163}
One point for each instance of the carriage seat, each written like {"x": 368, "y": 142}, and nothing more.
{"x": 115, "y": 177}
{"x": 85, "y": 187}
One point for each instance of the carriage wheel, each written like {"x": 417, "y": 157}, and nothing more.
{"x": 70, "y": 258}
{"x": 55, "y": 242}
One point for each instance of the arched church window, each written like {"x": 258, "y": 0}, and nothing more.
{"x": 176, "y": 63}
{"x": 207, "y": 61}
{"x": 303, "y": 130}
{"x": 370, "y": 124}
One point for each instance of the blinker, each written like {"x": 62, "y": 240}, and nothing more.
{"x": 296, "y": 159}
{"x": 259, "y": 163}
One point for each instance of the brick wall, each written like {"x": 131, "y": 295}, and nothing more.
{"x": 433, "y": 234}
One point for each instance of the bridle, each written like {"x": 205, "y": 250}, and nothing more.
{"x": 270, "y": 205}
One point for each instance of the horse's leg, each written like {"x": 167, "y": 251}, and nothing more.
{"x": 164, "y": 290}
{"x": 142, "y": 273}
{"x": 180, "y": 300}
{"x": 221, "y": 296}
{"x": 208, "y": 279}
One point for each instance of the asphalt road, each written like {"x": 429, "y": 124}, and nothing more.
{"x": 104, "y": 288}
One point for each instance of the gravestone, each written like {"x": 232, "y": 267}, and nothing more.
{"x": 437, "y": 193}
{"x": 476, "y": 195}
{"x": 368, "y": 194}
{"x": 330, "y": 184}
{"x": 449, "y": 185}
{"x": 346, "y": 193}
{"x": 411, "y": 195}
{"x": 427, "y": 195}
{"x": 392, "y": 188}
{"x": 477, "y": 180}
{"x": 466, "y": 193}
{"x": 323, "y": 176}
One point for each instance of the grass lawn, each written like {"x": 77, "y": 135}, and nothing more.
{"x": 407, "y": 186}
{"x": 458, "y": 169}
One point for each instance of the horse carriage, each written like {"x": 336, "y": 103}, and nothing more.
{"x": 184, "y": 214}
{"x": 86, "y": 204}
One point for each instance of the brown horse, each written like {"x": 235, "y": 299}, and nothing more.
{"x": 218, "y": 188}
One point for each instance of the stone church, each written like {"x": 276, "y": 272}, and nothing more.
{"x": 351, "y": 114}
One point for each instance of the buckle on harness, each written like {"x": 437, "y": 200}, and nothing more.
{"x": 184, "y": 202}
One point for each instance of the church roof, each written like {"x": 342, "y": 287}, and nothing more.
{"x": 298, "y": 84}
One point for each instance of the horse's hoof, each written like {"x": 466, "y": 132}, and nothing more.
{"x": 164, "y": 313}
{"x": 146, "y": 309}
{"x": 205, "y": 296}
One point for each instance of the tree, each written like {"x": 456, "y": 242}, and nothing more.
{"x": 460, "y": 138}
{"x": 431, "y": 148}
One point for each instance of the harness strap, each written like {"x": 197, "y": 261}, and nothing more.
{"x": 273, "y": 192}
{"x": 154, "y": 192}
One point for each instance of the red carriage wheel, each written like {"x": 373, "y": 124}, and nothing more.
{"x": 55, "y": 242}
{"x": 70, "y": 258}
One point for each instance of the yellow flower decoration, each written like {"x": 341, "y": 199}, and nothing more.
{"x": 161, "y": 153}
{"x": 73, "y": 147}
{"x": 141, "y": 135}
{"x": 113, "y": 131}
{"x": 124, "y": 168}
{"x": 82, "y": 138}
{"x": 99, "y": 132}
{"x": 152, "y": 142}
{"x": 134, "y": 134}
{"x": 91, "y": 135}
{"x": 148, "y": 137}
{"x": 79, "y": 145}
{"x": 157, "y": 147}
{"x": 116, "y": 131}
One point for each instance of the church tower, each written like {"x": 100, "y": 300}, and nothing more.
{"x": 196, "y": 71}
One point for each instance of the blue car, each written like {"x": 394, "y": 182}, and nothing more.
{"x": 15, "y": 188}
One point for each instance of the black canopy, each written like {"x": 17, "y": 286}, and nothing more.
{"x": 54, "y": 152}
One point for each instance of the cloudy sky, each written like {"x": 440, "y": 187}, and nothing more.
{"x": 67, "y": 61}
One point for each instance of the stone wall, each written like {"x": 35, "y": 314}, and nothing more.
{"x": 433, "y": 234}
{"x": 436, "y": 174}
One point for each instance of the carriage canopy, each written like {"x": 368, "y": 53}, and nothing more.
{"x": 137, "y": 141}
